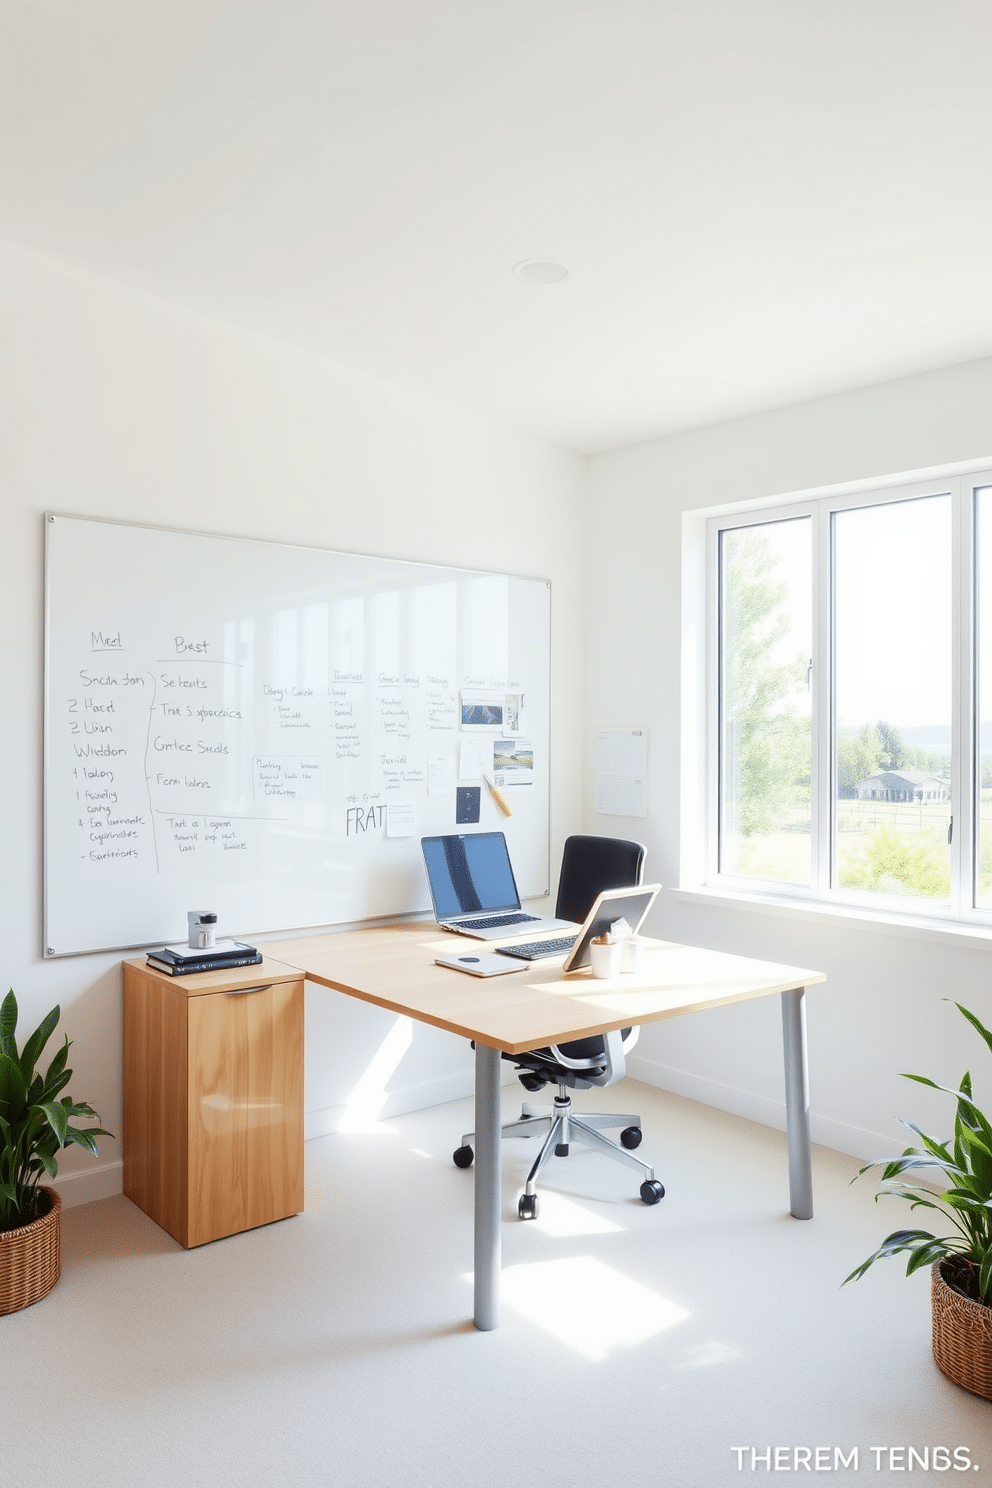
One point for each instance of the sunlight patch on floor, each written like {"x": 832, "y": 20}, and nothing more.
{"x": 587, "y": 1305}
{"x": 706, "y": 1354}
{"x": 562, "y": 1217}
{"x": 365, "y": 1103}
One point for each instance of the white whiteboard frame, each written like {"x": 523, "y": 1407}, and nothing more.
{"x": 533, "y": 883}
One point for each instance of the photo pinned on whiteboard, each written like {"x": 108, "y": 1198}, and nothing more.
{"x": 468, "y": 805}
{"x": 491, "y": 712}
{"x": 513, "y": 762}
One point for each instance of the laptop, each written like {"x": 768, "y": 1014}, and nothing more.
{"x": 611, "y": 905}
{"x": 474, "y": 891}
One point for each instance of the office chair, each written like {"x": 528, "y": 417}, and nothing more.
{"x": 589, "y": 866}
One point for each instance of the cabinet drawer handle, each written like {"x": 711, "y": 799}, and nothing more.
{"x": 243, "y": 991}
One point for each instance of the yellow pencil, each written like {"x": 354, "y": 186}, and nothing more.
{"x": 498, "y": 796}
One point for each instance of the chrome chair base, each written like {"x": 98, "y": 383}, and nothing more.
{"x": 559, "y": 1126}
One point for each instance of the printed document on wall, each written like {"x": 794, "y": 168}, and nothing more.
{"x": 622, "y": 772}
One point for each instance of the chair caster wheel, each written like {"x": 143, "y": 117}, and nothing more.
{"x": 527, "y": 1206}
{"x": 652, "y": 1191}
{"x": 462, "y": 1157}
{"x": 630, "y": 1137}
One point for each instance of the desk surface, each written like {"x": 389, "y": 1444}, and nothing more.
{"x": 394, "y": 968}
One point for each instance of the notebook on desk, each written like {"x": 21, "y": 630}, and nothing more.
{"x": 473, "y": 889}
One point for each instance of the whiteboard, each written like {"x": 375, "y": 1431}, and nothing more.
{"x": 266, "y": 731}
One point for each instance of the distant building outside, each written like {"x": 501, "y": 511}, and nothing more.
{"x": 902, "y": 785}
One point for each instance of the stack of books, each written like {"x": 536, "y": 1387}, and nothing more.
{"x": 181, "y": 960}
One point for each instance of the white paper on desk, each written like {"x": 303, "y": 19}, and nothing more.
{"x": 475, "y": 758}
{"x": 401, "y": 820}
{"x": 622, "y": 772}
{"x": 440, "y": 774}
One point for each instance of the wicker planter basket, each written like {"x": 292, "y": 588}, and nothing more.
{"x": 29, "y": 1258}
{"x": 962, "y": 1331}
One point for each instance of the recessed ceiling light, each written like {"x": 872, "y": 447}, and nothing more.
{"x": 540, "y": 271}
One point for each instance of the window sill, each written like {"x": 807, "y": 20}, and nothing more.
{"x": 912, "y": 927}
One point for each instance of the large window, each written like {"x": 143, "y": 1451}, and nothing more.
{"x": 851, "y": 699}
{"x": 765, "y": 740}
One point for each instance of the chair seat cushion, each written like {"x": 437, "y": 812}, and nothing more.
{"x": 587, "y": 1048}
{"x": 544, "y": 1063}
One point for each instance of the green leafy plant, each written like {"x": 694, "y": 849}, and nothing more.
{"x": 34, "y": 1123}
{"x": 966, "y": 1164}
{"x": 892, "y": 863}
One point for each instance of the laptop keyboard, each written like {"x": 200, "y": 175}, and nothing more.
{"x": 538, "y": 948}
{"x": 496, "y": 922}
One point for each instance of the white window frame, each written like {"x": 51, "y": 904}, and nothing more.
{"x": 960, "y": 483}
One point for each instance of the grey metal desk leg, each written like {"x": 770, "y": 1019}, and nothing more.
{"x": 488, "y": 1194}
{"x": 797, "y": 1103}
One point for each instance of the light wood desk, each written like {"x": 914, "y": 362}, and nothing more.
{"x": 394, "y": 968}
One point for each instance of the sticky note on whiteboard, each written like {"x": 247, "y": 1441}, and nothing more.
{"x": 440, "y": 774}
{"x": 400, "y": 819}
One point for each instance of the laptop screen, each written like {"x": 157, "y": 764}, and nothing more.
{"x": 469, "y": 874}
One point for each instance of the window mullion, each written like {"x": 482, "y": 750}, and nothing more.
{"x": 823, "y": 747}
{"x": 713, "y": 702}
{"x": 965, "y": 700}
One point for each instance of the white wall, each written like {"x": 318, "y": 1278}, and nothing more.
{"x": 116, "y": 406}
{"x": 880, "y": 1012}
{"x": 113, "y": 405}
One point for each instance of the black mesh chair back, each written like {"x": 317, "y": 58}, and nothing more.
{"x": 590, "y": 865}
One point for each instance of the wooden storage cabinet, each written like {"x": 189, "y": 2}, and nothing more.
{"x": 213, "y": 1097}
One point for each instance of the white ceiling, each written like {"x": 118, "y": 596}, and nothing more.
{"x": 758, "y": 201}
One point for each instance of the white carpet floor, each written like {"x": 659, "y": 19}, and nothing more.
{"x": 637, "y": 1347}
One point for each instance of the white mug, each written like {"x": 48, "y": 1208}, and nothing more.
{"x": 202, "y": 929}
{"x": 605, "y": 959}
{"x": 630, "y": 954}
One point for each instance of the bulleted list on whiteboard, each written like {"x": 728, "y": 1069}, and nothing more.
{"x": 622, "y": 771}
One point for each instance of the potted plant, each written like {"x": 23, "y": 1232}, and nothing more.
{"x": 35, "y": 1124}
{"x": 961, "y": 1263}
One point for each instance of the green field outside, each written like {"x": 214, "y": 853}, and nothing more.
{"x": 882, "y": 846}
